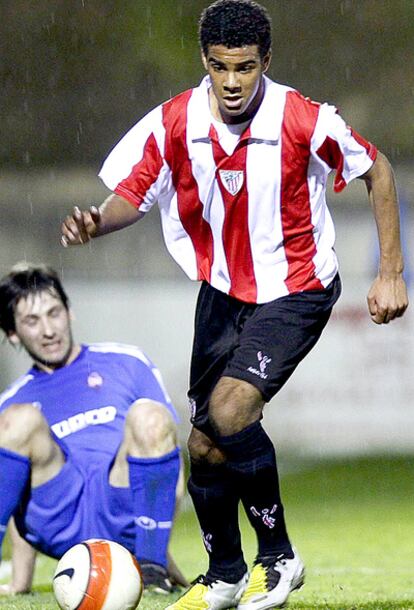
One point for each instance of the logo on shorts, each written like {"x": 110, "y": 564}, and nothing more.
{"x": 265, "y": 515}
{"x": 232, "y": 180}
{"x": 193, "y": 408}
{"x": 263, "y": 362}
{"x": 95, "y": 380}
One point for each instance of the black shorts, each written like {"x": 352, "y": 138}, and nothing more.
{"x": 261, "y": 344}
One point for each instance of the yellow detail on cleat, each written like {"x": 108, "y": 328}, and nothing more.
{"x": 257, "y": 583}
{"x": 192, "y": 600}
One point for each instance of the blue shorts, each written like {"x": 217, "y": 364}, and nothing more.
{"x": 77, "y": 504}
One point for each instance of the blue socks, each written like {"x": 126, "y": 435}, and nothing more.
{"x": 14, "y": 474}
{"x": 153, "y": 483}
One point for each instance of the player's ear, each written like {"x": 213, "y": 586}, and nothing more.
{"x": 266, "y": 61}
{"x": 204, "y": 60}
{"x": 13, "y": 338}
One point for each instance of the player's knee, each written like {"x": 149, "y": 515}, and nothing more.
{"x": 152, "y": 428}
{"x": 19, "y": 423}
{"x": 202, "y": 449}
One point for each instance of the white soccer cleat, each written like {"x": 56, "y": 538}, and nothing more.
{"x": 206, "y": 594}
{"x": 271, "y": 581}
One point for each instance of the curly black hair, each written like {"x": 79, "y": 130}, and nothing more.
{"x": 234, "y": 24}
{"x": 23, "y": 280}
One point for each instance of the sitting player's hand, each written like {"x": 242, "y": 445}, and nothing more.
{"x": 80, "y": 226}
{"x": 7, "y": 589}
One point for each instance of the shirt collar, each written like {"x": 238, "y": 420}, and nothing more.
{"x": 261, "y": 128}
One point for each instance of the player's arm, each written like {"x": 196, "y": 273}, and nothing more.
{"x": 23, "y": 564}
{"x": 387, "y": 298}
{"x": 83, "y": 225}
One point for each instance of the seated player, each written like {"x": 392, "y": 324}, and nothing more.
{"x": 88, "y": 440}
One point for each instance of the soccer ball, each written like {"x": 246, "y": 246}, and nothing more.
{"x": 97, "y": 575}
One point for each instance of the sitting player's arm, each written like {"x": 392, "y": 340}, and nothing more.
{"x": 23, "y": 564}
{"x": 387, "y": 298}
{"x": 83, "y": 225}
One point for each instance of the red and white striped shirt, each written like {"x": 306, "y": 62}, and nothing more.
{"x": 254, "y": 223}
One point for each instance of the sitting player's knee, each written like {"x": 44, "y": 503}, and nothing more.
{"x": 18, "y": 424}
{"x": 152, "y": 428}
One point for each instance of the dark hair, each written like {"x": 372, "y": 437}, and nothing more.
{"x": 234, "y": 24}
{"x": 23, "y": 280}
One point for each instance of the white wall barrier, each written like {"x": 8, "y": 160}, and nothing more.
{"x": 353, "y": 394}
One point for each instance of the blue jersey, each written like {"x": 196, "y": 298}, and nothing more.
{"x": 86, "y": 402}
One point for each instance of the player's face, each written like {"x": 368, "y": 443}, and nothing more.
{"x": 43, "y": 328}
{"x": 237, "y": 83}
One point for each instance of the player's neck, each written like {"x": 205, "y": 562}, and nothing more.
{"x": 72, "y": 355}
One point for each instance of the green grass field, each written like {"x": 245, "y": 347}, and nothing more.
{"x": 353, "y": 522}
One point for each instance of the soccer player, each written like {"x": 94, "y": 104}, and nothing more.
{"x": 239, "y": 167}
{"x": 88, "y": 439}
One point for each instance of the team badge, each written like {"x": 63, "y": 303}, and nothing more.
{"x": 232, "y": 180}
{"x": 95, "y": 380}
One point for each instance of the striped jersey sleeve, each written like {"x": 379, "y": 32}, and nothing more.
{"x": 136, "y": 169}
{"x": 341, "y": 148}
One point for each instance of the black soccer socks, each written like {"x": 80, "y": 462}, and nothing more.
{"x": 216, "y": 502}
{"x": 252, "y": 460}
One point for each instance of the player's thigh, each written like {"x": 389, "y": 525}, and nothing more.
{"x": 234, "y": 405}
{"x": 217, "y": 325}
{"x": 278, "y": 335}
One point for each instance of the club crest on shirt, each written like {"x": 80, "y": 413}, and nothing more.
{"x": 232, "y": 180}
{"x": 95, "y": 380}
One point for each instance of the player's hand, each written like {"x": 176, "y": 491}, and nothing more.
{"x": 80, "y": 226}
{"x": 7, "y": 590}
{"x": 387, "y": 298}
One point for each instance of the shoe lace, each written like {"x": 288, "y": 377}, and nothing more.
{"x": 203, "y": 579}
{"x": 193, "y": 599}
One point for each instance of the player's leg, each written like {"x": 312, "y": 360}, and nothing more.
{"x": 273, "y": 341}
{"x": 27, "y": 451}
{"x": 210, "y": 485}
{"x": 149, "y": 462}
{"x": 216, "y": 504}
{"x": 235, "y": 413}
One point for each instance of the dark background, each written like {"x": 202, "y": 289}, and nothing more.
{"x": 75, "y": 74}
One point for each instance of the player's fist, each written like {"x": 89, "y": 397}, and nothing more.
{"x": 387, "y": 298}
{"x": 80, "y": 226}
